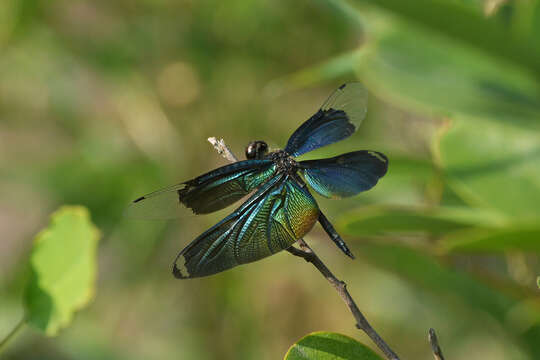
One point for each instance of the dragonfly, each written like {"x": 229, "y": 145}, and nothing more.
{"x": 280, "y": 208}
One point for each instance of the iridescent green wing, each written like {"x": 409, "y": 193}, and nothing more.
{"x": 271, "y": 220}
{"x": 207, "y": 193}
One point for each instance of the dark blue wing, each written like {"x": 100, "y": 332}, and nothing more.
{"x": 271, "y": 220}
{"x": 207, "y": 193}
{"x": 336, "y": 120}
{"x": 345, "y": 175}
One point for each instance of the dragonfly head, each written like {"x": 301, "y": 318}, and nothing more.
{"x": 256, "y": 150}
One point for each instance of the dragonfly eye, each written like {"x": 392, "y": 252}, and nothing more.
{"x": 256, "y": 150}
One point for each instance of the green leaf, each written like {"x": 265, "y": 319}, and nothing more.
{"x": 413, "y": 68}
{"x": 454, "y": 288}
{"x": 468, "y": 27}
{"x": 383, "y": 220}
{"x": 63, "y": 269}
{"x": 489, "y": 240}
{"x": 494, "y": 166}
{"x": 427, "y": 272}
{"x": 329, "y": 346}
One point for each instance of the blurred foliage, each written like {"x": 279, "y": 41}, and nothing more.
{"x": 329, "y": 346}
{"x": 63, "y": 270}
{"x": 103, "y": 101}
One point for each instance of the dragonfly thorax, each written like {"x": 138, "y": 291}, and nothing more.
{"x": 284, "y": 162}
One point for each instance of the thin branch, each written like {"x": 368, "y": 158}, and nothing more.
{"x": 437, "y": 352}
{"x": 222, "y": 149}
{"x": 12, "y": 334}
{"x": 310, "y": 256}
{"x": 361, "y": 322}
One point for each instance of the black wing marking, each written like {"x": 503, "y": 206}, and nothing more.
{"x": 207, "y": 193}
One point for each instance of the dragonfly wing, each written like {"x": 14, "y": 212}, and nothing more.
{"x": 207, "y": 193}
{"x": 271, "y": 220}
{"x": 336, "y": 120}
{"x": 345, "y": 175}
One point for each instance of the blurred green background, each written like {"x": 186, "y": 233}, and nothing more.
{"x": 103, "y": 101}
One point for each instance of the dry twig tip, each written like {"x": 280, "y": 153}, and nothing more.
{"x": 437, "y": 352}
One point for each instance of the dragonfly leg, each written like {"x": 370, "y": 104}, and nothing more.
{"x": 327, "y": 226}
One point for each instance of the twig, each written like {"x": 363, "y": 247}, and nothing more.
{"x": 12, "y": 334}
{"x": 437, "y": 352}
{"x": 310, "y": 256}
{"x": 361, "y": 322}
{"x": 222, "y": 149}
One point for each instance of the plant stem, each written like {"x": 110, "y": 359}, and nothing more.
{"x": 12, "y": 334}
{"x": 361, "y": 322}
{"x": 437, "y": 352}
{"x": 222, "y": 149}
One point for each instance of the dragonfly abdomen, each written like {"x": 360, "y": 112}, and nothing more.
{"x": 302, "y": 209}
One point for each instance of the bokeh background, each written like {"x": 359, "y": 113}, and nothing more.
{"x": 103, "y": 101}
